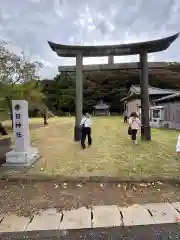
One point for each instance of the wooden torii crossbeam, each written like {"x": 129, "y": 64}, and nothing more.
{"x": 115, "y": 66}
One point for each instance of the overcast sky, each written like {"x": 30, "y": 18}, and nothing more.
{"x": 28, "y": 24}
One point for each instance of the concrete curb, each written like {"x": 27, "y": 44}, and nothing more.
{"x": 95, "y": 218}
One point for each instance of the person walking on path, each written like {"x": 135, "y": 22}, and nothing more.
{"x": 125, "y": 114}
{"x": 134, "y": 126}
{"x": 86, "y": 125}
{"x": 178, "y": 145}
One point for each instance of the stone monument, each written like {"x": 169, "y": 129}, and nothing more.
{"x": 22, "y": 154}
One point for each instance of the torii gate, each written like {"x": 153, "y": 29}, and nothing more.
{"x": 141, "y": 48}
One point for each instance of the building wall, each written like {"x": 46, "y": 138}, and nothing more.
{"x": 132, "y": 105}
{"x": 100, "y": 112}
{"x": 171, "y": 114}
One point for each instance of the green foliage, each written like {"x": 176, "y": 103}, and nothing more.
{"x": 60, "y": 93}
{"x": 18, "y": 80}
{"x": 110, "y": 86}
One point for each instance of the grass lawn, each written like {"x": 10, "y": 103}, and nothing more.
{"x": 34, "y": 123}
{"x": 112, "y": 153}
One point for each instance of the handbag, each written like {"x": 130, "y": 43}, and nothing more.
{"x": 83, "y": 125}
{"x": 129, "y": 130}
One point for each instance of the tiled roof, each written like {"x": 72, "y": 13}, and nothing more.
{"x": 101, "y": 105}
{"x": 153, "y": 90}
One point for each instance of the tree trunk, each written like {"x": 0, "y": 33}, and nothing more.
{"x": 9, "y": 102}
{"x": 3, "y": 130}
{"x": 45, "y": 119}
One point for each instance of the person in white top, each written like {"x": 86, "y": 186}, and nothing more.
{"x": 86, "y": 124}
{"x": 178, "y": 145}
{"x": 134, "y": 126}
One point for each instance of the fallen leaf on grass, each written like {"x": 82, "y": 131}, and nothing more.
{"x": 79, "y": 185}
{"x": 64, "y": 185}
{"x": 143, "y": 185}
{"x": 125, "y": 187}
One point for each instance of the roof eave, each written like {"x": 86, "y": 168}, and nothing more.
{"x": 134, "y": 96}
{"x": 167, "y": 98}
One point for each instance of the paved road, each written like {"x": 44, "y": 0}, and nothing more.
{"x": 148, "y": 232}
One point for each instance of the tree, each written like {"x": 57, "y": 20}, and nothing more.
{"x": 19, "y": 78}
{"x": 60, "y": 93}
{"x": 16, "y": 68}
{"x": 111, "y": 86}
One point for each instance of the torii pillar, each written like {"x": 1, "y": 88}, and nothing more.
{"x": 144, "y": 86}
{"x": 79, "y": 96}
{"x": 79, "y": 93}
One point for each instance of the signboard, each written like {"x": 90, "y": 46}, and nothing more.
{"x": 20, "y": 125}
{"x": 118, "y": 51}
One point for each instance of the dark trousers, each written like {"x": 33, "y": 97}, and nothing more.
{"x": 133, "y": 134}
{"x": 125, "y": 119}
{"x": 86, "y": 131}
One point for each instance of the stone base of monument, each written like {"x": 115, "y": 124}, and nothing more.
{"x": 21, "y": 159}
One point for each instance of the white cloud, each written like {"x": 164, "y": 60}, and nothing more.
{"x": 29, "y": 24}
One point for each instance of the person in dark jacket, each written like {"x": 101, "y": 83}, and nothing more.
{"x": 125, "y": 114}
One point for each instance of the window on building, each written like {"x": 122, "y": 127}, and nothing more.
{"x": 156, "y": 113}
